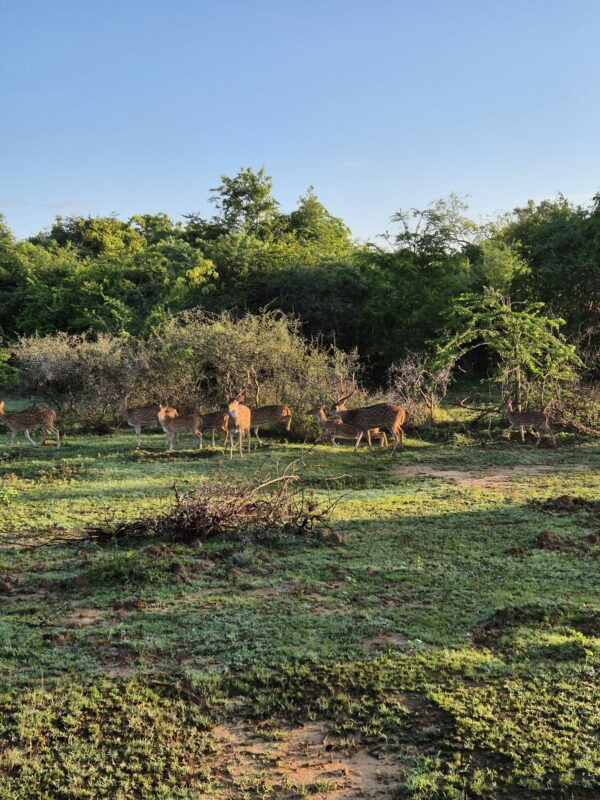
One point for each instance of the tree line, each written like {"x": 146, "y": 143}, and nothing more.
{"x": 387, "y": 298}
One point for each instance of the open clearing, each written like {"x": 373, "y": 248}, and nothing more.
{"x": 448, "y": 648}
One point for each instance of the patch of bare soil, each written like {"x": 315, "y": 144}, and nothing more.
{"x": 567, "y": 504}
{"x": 83, "y": 617}
{"x": 386, "y": 639}
{"x": 546, "y": 540}
{"x": 497, "y": 478}
{"x": 306, "y": 759}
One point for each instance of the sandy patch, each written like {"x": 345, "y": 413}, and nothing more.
{"x": 303, "y": 757}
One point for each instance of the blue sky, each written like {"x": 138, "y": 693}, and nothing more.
{"x": 139, "y": 106}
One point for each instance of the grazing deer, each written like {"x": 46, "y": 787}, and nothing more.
{"x": 179, "y": 424}
{"x": 336, "y": 429}
{"x": 142, "y": 416}
{"x": 31, "y": 419}
{"x": 239, "y": 419}
{"x": 380, "y": 415}
{"x": 537, "y": 420}
{"x": 263, "y": 415}
{"x": 215, "y": 421}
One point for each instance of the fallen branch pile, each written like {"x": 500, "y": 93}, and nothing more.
{"x": 271, "y": 508}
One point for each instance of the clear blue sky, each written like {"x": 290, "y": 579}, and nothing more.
{"x": 139, "y": 106}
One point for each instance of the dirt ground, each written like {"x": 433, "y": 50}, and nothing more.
{"x": 304, "y": 757}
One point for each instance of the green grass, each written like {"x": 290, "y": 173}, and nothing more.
{"x": 439, "y": 631}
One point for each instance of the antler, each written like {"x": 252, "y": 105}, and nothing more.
{"x": 342, "y": 397}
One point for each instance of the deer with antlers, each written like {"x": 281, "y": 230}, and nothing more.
{"x": 536, "y": 420}
{"x": 179, "y": 424}
{"x": 143, "y": 416}
{"x": 31, "y": 419}
{"x": 239, "y": 416}
{"x": 380, "y": 415}
{"x": 336, "y": 429}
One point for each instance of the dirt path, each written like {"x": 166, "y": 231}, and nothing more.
{"x": 495, "y": 478}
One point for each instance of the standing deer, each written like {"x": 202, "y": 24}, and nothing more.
{"x": 336, "y": 429}
{"x": 239, "y": 419}
{"x": 380, "y": 415}
{"x": 215, "y": 421}
{"x": 264, "y": 415}
{"x": 179, "y": 424}
{"x": 142, "y": 416}
{"x": 31, "y": 419}
{"x": 537, "y": 420}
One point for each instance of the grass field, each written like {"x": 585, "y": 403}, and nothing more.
{"x": 444, "y": 650}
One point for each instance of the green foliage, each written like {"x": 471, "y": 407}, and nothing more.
{"x": 532, "y": 356}
{"x": 191, "y": 360}
{"x": 102, "y": 274}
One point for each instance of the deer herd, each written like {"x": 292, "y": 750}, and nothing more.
{"x": 237, "y": 419}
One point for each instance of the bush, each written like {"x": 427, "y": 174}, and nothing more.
{"x": 194, "y": 360}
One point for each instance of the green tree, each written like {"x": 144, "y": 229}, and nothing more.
{"x": 245, "y": 202}
{"x": 532, "y": 356}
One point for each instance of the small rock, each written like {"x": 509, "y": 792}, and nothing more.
{"x": 6, "y": 586}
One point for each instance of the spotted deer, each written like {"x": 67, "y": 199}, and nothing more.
{"x": 336, "y": 429}
{"x": 239, "y": 419}
{"x": 536, "y": 420}
{"x": 379, "y": 415}
{"x": 215, "y": 421}
{"x": 142, "y": 416}
{"x": 265, "y": 415}
{"x": 180, "y": 424}
{"x": 32, "y": 419}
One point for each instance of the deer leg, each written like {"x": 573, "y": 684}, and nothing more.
{"x": 138, "y": 431}
{"x": 13, "y": 438}
{"x": 249, "y": 435}
{"x": 358, "y": 438}
{"x": 369, "y": 440}
{"x": 29, "y": 439}
{"x": 256, "y": 434}
{"x": 198, "y": 435}
{"x": 398, "y": 438}
{"x": 56, "y": 432}
{"x": 333, "y": 442}
{"x": 522, "y": 429}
